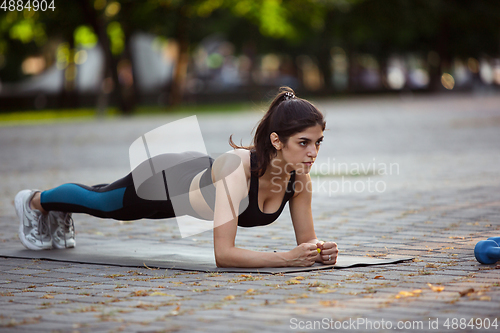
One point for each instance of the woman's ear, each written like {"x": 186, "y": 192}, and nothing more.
{"x": 275, "y": 141}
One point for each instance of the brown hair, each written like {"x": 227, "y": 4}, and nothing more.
{"x": 286, "y": 116}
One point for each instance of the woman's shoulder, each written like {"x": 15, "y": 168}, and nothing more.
{"x": 227, "y": 163}
{"x": 302, "y": 183}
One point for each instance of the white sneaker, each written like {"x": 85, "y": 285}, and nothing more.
{"x": 62, "y": 230}
{"x": 34, "y": 230}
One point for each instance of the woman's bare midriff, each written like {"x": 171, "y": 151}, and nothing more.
{"x": 197, "y": 200}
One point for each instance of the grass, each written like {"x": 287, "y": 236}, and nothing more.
{"x": 37, "y": 117}
{"x": 51, "y": 116}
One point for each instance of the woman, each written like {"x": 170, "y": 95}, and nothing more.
{"x": 274, "y": 170}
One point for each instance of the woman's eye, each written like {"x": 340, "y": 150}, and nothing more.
{"x": 303, "y": 143}
{"x": 319, "y": 143}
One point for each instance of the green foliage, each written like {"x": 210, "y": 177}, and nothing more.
{"x": 274, "y": 20}
{"x": 27, "y": 30}
{"x": 85, "y": 37}
{"x": 37, "y": 117}
{"x": 116, "y": 37}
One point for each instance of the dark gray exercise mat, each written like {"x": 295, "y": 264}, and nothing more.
{"x": 135, "y": 253}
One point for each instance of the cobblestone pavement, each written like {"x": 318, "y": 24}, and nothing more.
{"x": 417, "y": 176}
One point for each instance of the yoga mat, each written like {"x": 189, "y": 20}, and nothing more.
{"x": 138, "y": 253}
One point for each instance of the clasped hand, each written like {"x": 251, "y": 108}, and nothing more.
{"x": 328, "y": 252}
{"x": 306, "y": 254}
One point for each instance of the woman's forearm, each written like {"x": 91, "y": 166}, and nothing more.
{"x": 236, "y": 257}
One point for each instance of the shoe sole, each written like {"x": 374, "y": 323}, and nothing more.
{"x": 69, "y": 245}
{"x": 19, "y": 202}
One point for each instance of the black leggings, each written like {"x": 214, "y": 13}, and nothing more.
{"x": 117, "y": 201}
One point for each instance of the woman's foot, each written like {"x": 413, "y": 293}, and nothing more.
{"x": 34, "y": 230}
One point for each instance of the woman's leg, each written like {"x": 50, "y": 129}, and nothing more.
{"x": 35, "y": 203}
{"x": 118, "y": 201}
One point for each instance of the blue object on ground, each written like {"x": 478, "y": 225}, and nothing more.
{"x": 495, "y": 239}
{"x": 487, "y": 252}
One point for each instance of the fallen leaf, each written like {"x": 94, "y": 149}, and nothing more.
{"x": 140, "y": 293}
{"x": 466, "y": 292}
{"x": 292, "y": 281}
{"x": 291, "y": 301}
{"x": 437, "y": 289}
{"x": 405, "y": 293}
{"x": 321, "y": 290}
{"x": 159, "y": 293}
{"x": 249, "y": 291}
{"x": 145, "y": 306}
{"x": 379, "y": 277}
{"x": 46, "y": 296}
{"x": 229, "y": 297}
{"x": 485, "y": 298}
{"x": 299, "y": 278}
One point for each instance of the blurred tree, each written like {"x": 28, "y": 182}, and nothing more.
{"x": 463, "y": 29}
{"x": 19, "y": 37}
{"x": 438, "y": 30}
{"x": 61, "y": 28}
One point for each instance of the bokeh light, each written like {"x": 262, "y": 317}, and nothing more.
{"x": 473, "y": 65}
{"x": 112, "y": 9}
{"x": 33, "y": 65}
{"x": 62, "y": 55}
{"x": 496, "y": 72}
{"x": 447, "y": 81}
{"x": 396, "y": 78}
{"x": 486, "y": 71}
{"x": 80, "y": 57}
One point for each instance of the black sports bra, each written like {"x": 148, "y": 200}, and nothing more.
{"x": 253, "y": 216}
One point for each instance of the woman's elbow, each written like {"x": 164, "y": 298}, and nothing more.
{"x": 222, "y": 259}
{"x": 221, "y": 262}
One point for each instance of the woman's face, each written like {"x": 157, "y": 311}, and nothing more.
{"x": 301, "y": 150}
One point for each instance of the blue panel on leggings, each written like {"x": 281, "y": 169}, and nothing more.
{"x": 76, "y": 195}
